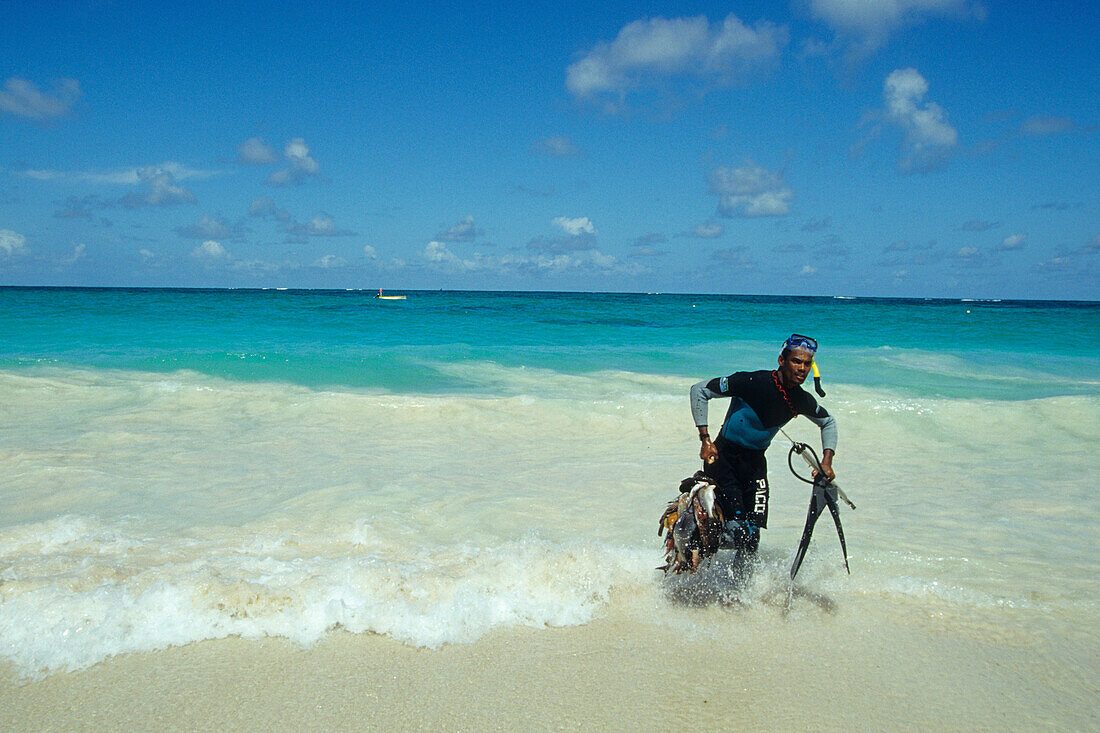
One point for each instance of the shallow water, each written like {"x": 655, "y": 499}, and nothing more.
{"x": 186, "y": 465}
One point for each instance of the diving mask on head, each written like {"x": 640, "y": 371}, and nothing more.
{"x": 798, "y": 341}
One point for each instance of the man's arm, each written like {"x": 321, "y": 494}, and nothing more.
{"x": 827, "y": 423}
{"x": 701, "y": 392}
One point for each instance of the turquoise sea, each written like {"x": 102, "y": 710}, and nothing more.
{"x": 181, "y": 465}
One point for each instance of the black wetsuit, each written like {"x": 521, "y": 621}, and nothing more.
{"x": 759, "y": 407}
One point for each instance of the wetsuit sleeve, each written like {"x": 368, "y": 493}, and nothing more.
{"x": 819, "y": 416}
{"x": 700, "y": 393}
{"x": 827, "y": 423}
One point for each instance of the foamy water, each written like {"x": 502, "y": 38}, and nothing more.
{"x": 144, "y": 509}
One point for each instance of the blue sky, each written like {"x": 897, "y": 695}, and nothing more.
{"x": 918, "y": 148}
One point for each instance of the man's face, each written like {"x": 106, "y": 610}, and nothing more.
{"x": 796, "y": 366}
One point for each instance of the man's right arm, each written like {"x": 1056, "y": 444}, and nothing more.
{"x": 701, "y": 392}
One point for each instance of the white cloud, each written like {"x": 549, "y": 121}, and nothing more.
{"x": 159, "y": 184}
{"x": 255, "y": 151}
{"x": 139, "y": 174}
{"x": 209, "y": 228}
{"x": 928, "y": 140}
{"x": 302, "y": 165}
{"x": 463, "y": 231}
{"x": 965, "y": 253}
{"x": 329, "y": 262}
{"x": 297, "y": 152}
{"x": 264, "y": 208}
{"x": 42, "y": 175}
{"x": 867, "y": 24}
{"x": 210, "y": 250}
{"x": 590, "y": 261}
{"x": 736, "y": 257}
{"x": 579, "y": 242}
{"x": 369, "y": 252}
{"x": 440, "y": 258}
{"x": 76, "y": 256}
{"x": 647, "y": 52}
{"x": 130, "y": 176}
{"x": 320, "y": 225}
{"x": 750, "y": 190}
{"x": 257, "y": 267}
{"x": 807, "y": 271}
{"x": 1012, "y": 242}
{"x": 12, "y": 243}
{"x": 159, "y": 188}
{"x": 23, "y": 99}
{"x": 1047, "y": 125}
{"x": 575, "y": 227}
{"x": 1055, "y": 264}
{"x": 708, "y": 230}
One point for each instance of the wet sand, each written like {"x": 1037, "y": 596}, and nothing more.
{"x": 823, "y": 671}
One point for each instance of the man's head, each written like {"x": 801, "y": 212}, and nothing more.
{"x": 797, "y": 358}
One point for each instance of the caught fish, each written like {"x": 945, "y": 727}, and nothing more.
{"x": 692, "y": 524}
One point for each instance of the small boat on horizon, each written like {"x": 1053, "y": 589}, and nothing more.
{"x": 388, "y": 297}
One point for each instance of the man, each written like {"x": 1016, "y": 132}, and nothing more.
{"x": 761, "y": 403}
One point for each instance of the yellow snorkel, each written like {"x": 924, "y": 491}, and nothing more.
{"x": 817, "y": 379}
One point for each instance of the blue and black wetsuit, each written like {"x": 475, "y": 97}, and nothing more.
{"x": 759, "y": 407}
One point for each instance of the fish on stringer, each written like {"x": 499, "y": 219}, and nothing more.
{"x": 698, "y": 571}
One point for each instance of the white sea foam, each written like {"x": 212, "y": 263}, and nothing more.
{"x": 142, "y": 511}
{"x": 75, "y": 592}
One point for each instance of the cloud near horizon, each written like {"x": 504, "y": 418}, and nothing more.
{"x": 751, "y": 191}
{"x": 255, "y": 151}
{"x": 302, "y": 165}
{"x": 440, "y": 258}
{"x": 462, "y": 231}
{"x": 12, "y": 243}
{"x": 575, "y": 227}
{"x": 1012, "y": 242}
{"x": 708, "y": 230}
{"x": 210, "y": 250}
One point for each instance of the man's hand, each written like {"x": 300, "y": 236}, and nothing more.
{"x": 827, "y": 465}
{"x": 708, "y": 452}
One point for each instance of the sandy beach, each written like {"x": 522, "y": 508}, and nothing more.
{"x": 822, "y": 670}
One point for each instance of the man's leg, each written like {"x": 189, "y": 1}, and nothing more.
{"x": 723, "y": 472}
{"x": 742, "y": 479}
{"x": 754, "y": 470}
